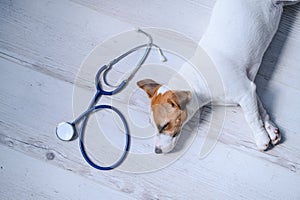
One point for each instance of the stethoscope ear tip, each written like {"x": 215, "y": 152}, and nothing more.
{"x": 65, "y": 131}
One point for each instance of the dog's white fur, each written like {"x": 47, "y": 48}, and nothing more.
{"x": 238, "y": 34}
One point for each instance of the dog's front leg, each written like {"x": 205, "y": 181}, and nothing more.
{"x": 249, "y": 105}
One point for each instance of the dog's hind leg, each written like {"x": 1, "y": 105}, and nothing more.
{"x": 249, "y": 104}
{"x": 270, "y": 127}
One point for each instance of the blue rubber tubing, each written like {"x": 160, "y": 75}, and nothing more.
{"x": 127, "y": 136}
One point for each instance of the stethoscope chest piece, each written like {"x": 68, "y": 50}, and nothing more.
{"x": 65, "y": 131}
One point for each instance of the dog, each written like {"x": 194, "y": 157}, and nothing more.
{"x": 236, "y": 39}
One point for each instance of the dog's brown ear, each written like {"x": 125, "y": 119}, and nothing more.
{"x": 149, "y": 86}
{"x": 181, "y": 98}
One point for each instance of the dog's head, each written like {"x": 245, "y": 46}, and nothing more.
{"x": 168, "y": 113}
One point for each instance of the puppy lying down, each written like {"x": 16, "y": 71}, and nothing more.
{"x": 238, "y": 34}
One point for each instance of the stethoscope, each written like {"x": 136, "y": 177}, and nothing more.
{"x": 67, "y": 131}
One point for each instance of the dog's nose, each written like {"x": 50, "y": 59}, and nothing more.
{"x": 158, "y": 150}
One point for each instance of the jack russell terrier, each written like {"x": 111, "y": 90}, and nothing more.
{"x": 238, "y": 34}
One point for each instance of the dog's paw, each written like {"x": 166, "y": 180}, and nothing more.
{"x": 262, "y": 142}
{"x": 272, "y": 131}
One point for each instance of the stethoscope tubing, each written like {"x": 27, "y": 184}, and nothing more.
{"x": 116, "y": 60}
{"x": 81, "y": 138}
{"x": 92, "y": 108}
{"x": 84, "y": 118}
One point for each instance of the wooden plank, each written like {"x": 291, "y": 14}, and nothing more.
{"x": 42, "y": 34}
{"x": 189, "y": 17}
{"x": 23, "y": 177}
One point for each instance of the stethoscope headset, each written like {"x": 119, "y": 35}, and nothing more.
{"x": 68, "y": 131}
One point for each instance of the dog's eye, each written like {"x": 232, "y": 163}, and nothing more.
{"x": 161, "y": 129}
{"x": 172, "y": 103}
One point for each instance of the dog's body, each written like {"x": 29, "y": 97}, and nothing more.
{"x": 236, "y": 39}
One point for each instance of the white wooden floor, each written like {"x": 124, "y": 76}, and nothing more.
{"x": 42, "y": 45}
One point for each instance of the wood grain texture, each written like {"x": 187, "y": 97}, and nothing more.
{"x": 42, "y": 45}
{"x": 36, "y": 179}
{"x": 191, "y": 16}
